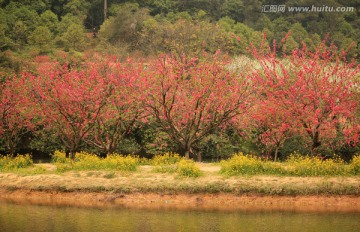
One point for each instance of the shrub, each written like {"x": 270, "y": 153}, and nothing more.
{"x": 295, "y": 165}
{"x": 188, "y": 168}
{"x": 174, "y": 163}
{"x": 119, "y": 162}
{"x": 59, "y": 157}
{"x": 166, "y": 159}
{"x": 298, "y": 165}
{"x": 87, "y": 161}
{"x": 273, "y": 168}
{"x": 9, "y": 163}
{"x": 241, "y": 164}
{"x": 355, "y": 165}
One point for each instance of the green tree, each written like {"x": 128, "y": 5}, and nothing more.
{"x": 5, "y": 41}
{"x": 67, "y": 20}
{"x": 289, "y": 45}
{"x": 125, "y": 26}
{"x": 161, "y": 6}
{"x": 281, "y": 28}
{"x": 74, "y": 38}
{"x": 79, "y": 8}
{"x": 49, "y": 19}
{"x": 241, "y": 35}
{"x": 19, "y": 34}
{"x": 21, "y": 21}
{"x": 38, "y": 5}
{"x": 234, "y": 9}
{"x": 252, "y": 12}
{"x": 183, "y": 37}
{"x": 298, "y": 32}
{"x": 42, "y": 38}
{"x": 264, "y": 23}
{"x": 26, "y": 14}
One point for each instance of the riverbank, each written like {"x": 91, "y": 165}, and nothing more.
{"x": 183, "y": 201}
{"x": 211, "y": 191}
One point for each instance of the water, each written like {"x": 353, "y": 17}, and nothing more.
{"x": 29, "y": 218}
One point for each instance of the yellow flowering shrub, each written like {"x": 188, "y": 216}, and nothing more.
{"x": 166, "y": 159}
{"x": 355, "y": 165}
{"x": 188, "y": 168}
{"x": 88, "y": 161}
{"x": 9, "y": 163}
{"x": 241, "y": 164}
{"x": 295, "y": 165}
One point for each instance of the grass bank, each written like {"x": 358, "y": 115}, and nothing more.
{"x": 170, "y": 174}
{"x": 147, "y": 180}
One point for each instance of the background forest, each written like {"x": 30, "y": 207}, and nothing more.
{"x": 34, "y": 33}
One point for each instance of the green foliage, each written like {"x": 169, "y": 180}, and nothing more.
{"x": 41, "y": 37}
{"x": 224, "y": 143}
{"x": 49, "y": 20}
{"x": 125, "y": 26}
{"x": 9, "y": 163}
{"x": 126, "y": 23}
{"x": 67, "y": 20}
{"x": 78, "y": 8}
{"x": 289, "y": 45}
{"x": 74, "y": 38}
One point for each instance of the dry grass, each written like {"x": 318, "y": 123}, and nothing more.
{"x": 145, "y": 180}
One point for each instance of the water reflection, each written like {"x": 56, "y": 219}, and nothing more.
{"x": 30, "y": 218}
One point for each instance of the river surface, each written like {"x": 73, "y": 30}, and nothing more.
{"x": 29, "y": 218}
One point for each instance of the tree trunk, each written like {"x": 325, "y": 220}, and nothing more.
{"x": 199, "y": 156}
{"x": 11, "y": 146}
{"x": 109, "y": 150}
{"x": 276, "y": 153}
{"x": 105, "y": 9}
{"x": 12, "y": 150}
{"x": 315, "y": 143}
{"x": 72, "y": 155}
{"x": 187, "y": 154}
